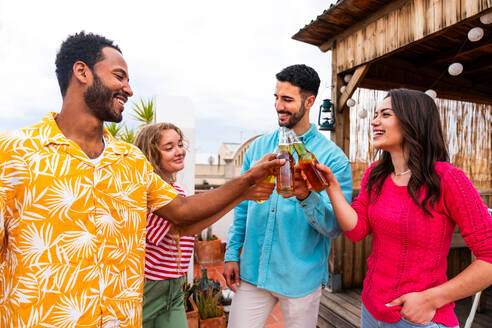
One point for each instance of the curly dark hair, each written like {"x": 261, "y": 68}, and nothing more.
{"x": 86, "y": 47}
{"x": 422, "y": 136}
{"x": 301, "y": 76}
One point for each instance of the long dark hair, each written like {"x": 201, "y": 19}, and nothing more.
{"x": 423, "y": 138}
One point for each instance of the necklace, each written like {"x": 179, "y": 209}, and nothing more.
{"x": 403, "y": 173}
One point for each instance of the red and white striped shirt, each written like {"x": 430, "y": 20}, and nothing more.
{"x": 161, "y": 253}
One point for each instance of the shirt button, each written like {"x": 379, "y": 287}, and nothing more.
{"x": 273, "y": 210}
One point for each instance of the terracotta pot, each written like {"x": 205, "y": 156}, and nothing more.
{"x": 217, "y": 322}
{"x": 207, "y": 252}
{"x": 192, "y": 316}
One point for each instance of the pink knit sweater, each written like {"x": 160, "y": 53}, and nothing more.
{"x": 410, "y": 248}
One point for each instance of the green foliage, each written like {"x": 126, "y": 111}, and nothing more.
{"x": 209, "y": 233}
{"x": 113, "y": 128}
{"x": 144, "y": 112}
{"x": 188, "y": 290}
{"x": 208, "y": 304}
{"x": 128, "y": 136}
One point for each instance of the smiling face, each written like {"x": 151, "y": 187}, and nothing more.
{"x": 172, "y": 152}
{"x": 110, "y": 88}
{"x": 387, "y": 132}
{"x": 289, "y": 104}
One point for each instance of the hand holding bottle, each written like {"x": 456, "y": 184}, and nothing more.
{"x": 302, "y": 188}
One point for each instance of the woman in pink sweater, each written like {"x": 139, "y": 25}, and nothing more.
{"x": 411, "y": 200}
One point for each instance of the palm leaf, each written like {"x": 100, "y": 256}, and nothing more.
{"x": 128, "y": 135}
{"x": 113, "y": 128}
{"x": 144, "y": 112}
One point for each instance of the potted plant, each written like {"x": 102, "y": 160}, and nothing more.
{"x": 190, "y": 305}
{"x": 208, "y": 248}
{"x": 211, "y": 312}
{"x": 208, "y": 293}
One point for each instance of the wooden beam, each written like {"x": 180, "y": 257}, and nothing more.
{"x": 363, "y": 24}
{"x": 359, "y": 74}
{"x": 453, "y": 56}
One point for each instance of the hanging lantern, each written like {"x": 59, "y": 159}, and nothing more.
{"x": 351, "y": 102}
{"x": 363, "y": 114}
{"x": 431, "y": 93}
{"x": 475, "y": 34}
{"x": 347, "y": 78}
{"x": 455, "y": 69}
{"x": 486, "y": 19}
{"x": 342, "y": 88}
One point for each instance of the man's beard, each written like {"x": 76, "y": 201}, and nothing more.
{"x": 99, "y": 98}
{"x": 294, "y": 118}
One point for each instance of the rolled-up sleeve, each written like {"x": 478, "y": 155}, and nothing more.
{"x": 317, "y": 207}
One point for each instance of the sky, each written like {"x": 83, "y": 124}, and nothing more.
{"x": 223, "y": 55}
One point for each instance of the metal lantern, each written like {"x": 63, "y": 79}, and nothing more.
{"x": 327, "y": 109}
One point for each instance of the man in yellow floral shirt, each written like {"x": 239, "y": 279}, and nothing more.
{"x": 73, "y": 202}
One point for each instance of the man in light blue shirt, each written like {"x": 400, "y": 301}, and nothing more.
{"x": 285, "y": 241}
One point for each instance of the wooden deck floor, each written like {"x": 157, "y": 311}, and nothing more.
{"x": 343, "y": 310}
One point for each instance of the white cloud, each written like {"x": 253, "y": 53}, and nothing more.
{"x": 222, "y": 54}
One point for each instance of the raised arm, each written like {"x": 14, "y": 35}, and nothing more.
{"x": 259, "y": 191}
{"x": 345, "y": 214}
{"x": 185, "y": 211}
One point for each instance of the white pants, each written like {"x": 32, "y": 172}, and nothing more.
{"x": 252, "y": 305}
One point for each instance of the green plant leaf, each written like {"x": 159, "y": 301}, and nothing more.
{"x": 144, "y": 112}
{"x": 128, "y": 135}
{"x": 113, "y": 128}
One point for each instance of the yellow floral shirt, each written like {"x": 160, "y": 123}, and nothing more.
{"x": 72, "y": 235}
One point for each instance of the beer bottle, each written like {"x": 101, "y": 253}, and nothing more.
{"x": 270, "y": 179}
{"x": 285, "y": 173}
{"x": 307, "y": 163}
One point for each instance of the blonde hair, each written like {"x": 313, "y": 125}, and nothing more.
{"x": 148, "y": 140}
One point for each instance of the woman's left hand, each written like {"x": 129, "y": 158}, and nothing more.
{"x": 415, "y": 307}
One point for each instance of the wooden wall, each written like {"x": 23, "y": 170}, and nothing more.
{"x": 350, "y": 259}
{"x": 397, "y": 25}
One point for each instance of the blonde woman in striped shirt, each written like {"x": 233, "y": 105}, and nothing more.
{"x": 168, "y": 251}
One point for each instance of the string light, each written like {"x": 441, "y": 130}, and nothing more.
{"x": 351, "y": 102}
{"x": 486, "y": 19}
{"x": 455, "y": 69}
{"x": 475, "y": 34}
{"x": 342, "y": 88}
{"x": 347, "y": 78}
{"x": 431, "y": 93}
{"x": 363, "y": 114}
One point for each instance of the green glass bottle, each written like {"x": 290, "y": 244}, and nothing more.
{"x": 285, "y": 173}
{"x": 307, "y": 163}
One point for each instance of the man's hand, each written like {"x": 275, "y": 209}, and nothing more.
{"x": 415, "y": 307}
{"x": 260, "y": 191}
{"x": 263, "y": 168}
{"x": 231, "y": 275}
{"x": 302, "y": 189}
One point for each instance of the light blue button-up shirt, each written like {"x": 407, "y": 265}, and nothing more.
{"x": 285, "y": 241}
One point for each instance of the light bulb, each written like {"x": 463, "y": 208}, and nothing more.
{"x": 455, "y": 69}
{"x": 347, "y": 78}
{"x": 342, "y": 88}
{"x": 351, "y": 102}
{"x": 475, "y": 34}
{"x": 363, "y": 114}
{"x": 486, "y": 19}
{"x": 431, "y": 93}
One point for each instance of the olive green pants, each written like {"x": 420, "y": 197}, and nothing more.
{"x": 163, "y": 305}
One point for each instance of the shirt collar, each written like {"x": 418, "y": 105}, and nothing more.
{"x": 309, "y": 133}
{"x": 53, "y": 135}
